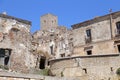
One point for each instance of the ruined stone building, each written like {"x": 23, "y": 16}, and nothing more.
{"x": 15, "y": 43}
{"x": 52, "y": 38}
{"x": 90, "y": 50}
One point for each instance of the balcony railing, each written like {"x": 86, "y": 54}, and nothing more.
{"x": 88, "y": 40}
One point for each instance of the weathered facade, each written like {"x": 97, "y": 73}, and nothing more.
{"x": 52, "y": 41}
{"x": 98, "y": 35}
{"x": 15, "y": 44}
{"x": 95, "y": 52}
{"x": 89, "y": 51}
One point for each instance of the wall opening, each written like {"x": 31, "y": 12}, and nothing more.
{"x": 51, "y": 49}
{"x": 111, "y": 68}
{"x": 85, "y": 70}
{"x": 88, "y": 33}
{"x": 15, "y": 30}
{"x": 5, "y": 56}
{"x": 6, "y": 60}
{"x": 48, "y": 63}
{"x": 118, "y": 27}
{"x": 42, "y": 62}
{"x": 89, "y": 52}
{"x": 62, "y": 55}
{"x": 88, "y": 37}
{"x": 118, "y": 48}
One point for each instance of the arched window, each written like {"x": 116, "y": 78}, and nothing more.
{"x": 15, "y": 29}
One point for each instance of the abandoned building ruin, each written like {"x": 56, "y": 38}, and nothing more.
{"x": 90, "y": 50}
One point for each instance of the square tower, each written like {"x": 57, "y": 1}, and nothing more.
{"x": 48, "y": 22}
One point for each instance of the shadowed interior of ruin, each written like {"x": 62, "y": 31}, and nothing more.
{"x": 118, "y": 48}
{"x": 4, "y": 56}
{"x": 42, "y": 63}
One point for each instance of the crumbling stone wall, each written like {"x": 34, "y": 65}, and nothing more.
{"x": 53, "y": 39}
{"x": 15, "y": 35}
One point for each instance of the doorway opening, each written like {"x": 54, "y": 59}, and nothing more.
{"x": 51, "y": 49}
{"x": 118, "y": 48}
{"x": 42, "y": 62}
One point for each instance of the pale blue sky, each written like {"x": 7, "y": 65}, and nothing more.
{"x": 69, "y": 12}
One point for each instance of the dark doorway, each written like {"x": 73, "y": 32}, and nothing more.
{"x": 51, "y": 49}
{"x": 6, "y": 60}
{"x": 42, "y": 62}
{"x": 89, "y": 52}
{"x": 118, "y": 48}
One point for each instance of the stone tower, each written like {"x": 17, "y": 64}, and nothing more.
{"x": 48, "y": 22}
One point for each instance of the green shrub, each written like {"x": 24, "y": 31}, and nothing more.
{"x": 45, "y": 72}
{"x": 4, "y": 67}
{"x": 118, "y": 71}
{"x": 62, "y": 75}
{"x": 1, "y": 66}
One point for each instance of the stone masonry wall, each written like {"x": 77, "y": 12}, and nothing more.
{"x": 48, "y": 22}
{"x": 100, "y": 48}
{"x": 91, "y": 68}
{"x": 100, "y": 31}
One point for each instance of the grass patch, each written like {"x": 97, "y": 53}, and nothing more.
{"x": 45, "y": 72}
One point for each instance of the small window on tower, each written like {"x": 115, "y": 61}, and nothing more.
{"x": 44, "y": 21}
{"x": 52, "y": 21}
